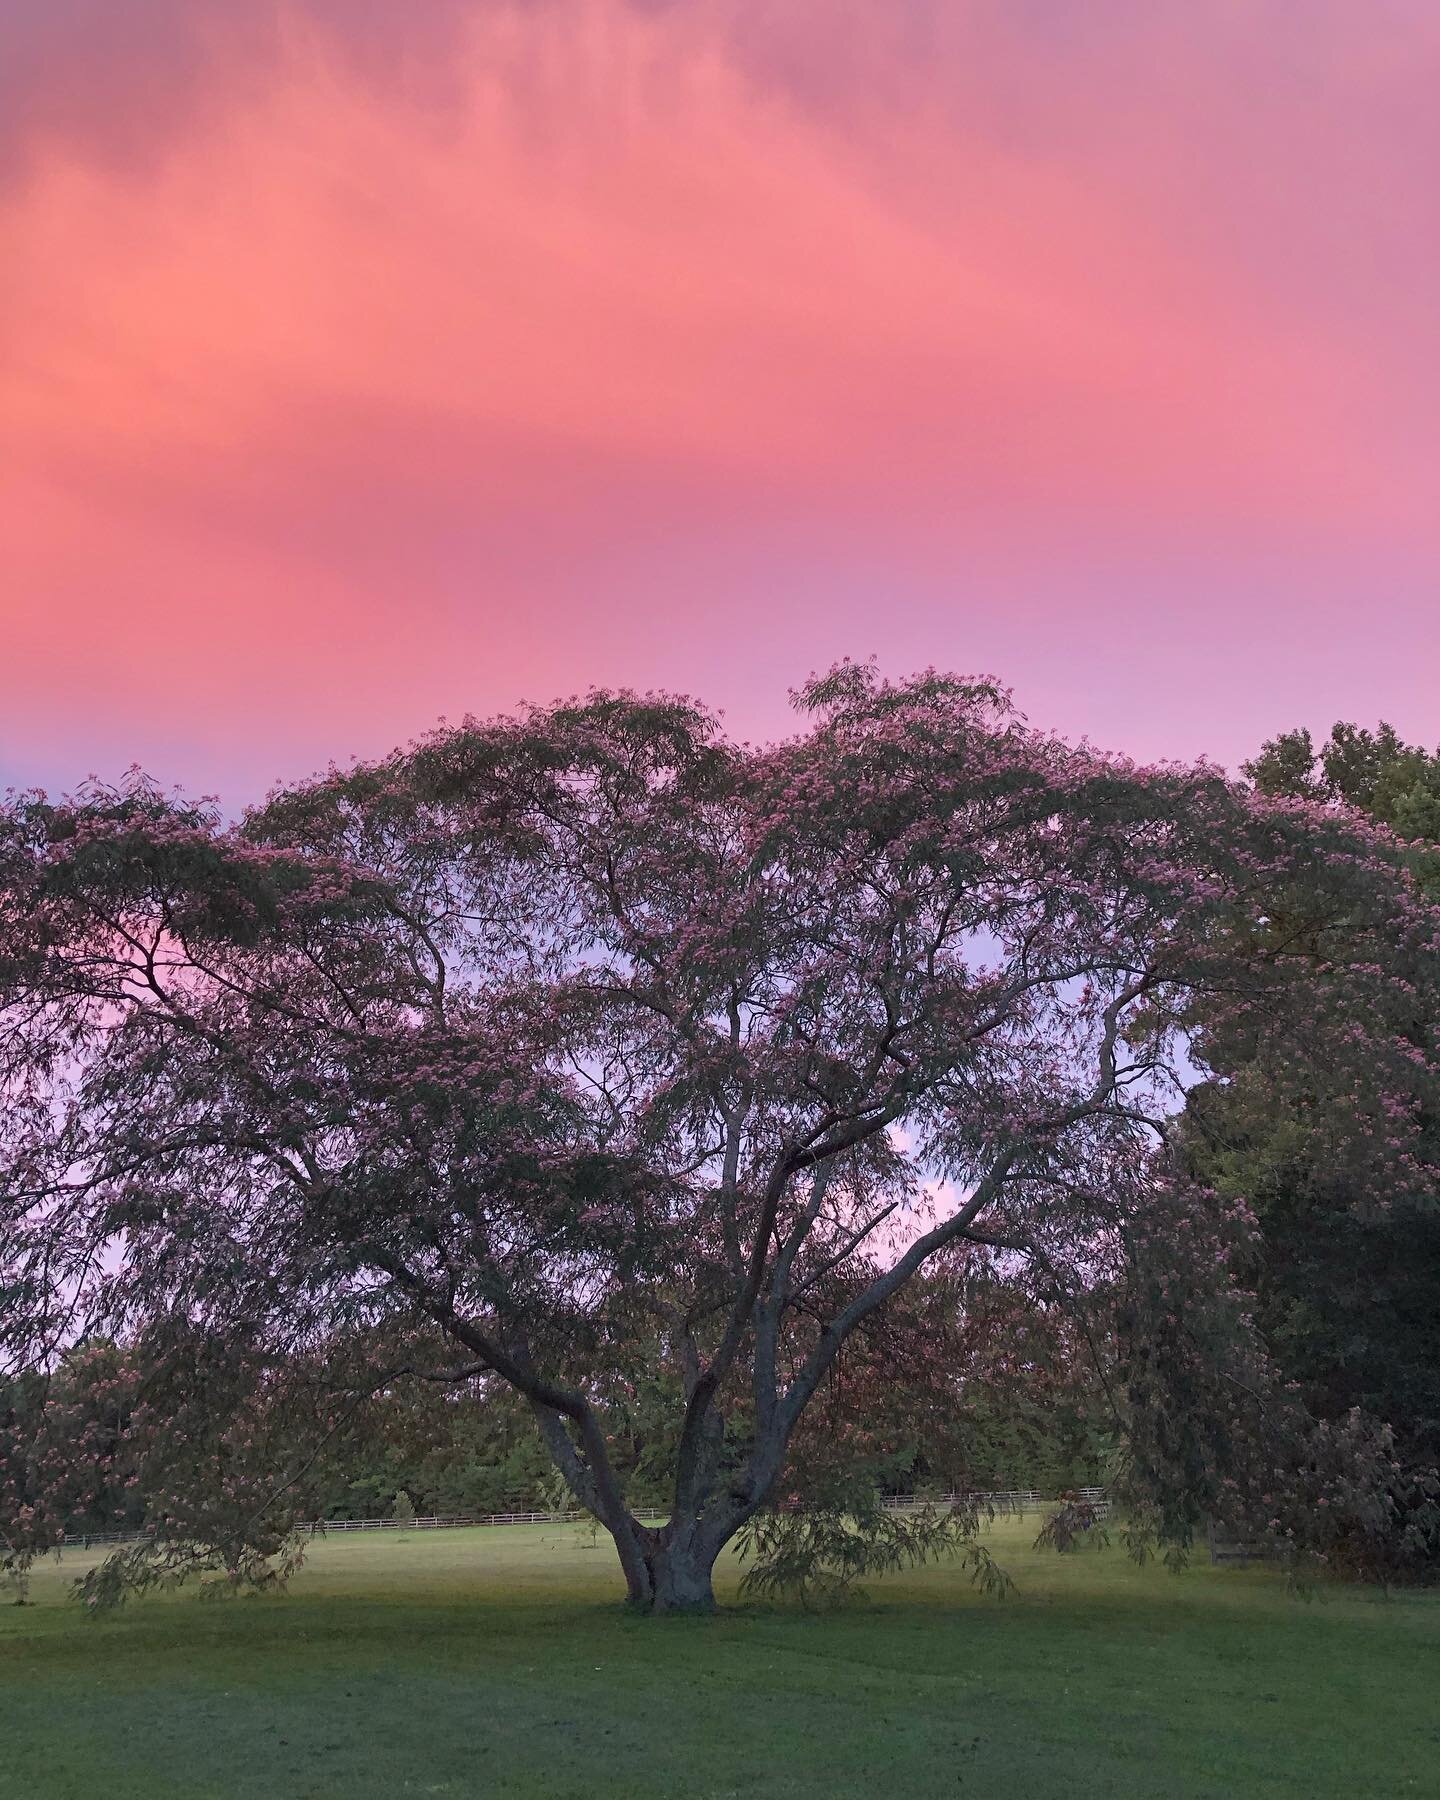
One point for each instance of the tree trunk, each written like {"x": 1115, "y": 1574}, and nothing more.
{"x": 676, "y": 1574}
{"x": 676, "y": 1564}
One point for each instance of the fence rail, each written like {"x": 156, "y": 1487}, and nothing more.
{"x": 1004, "y": 1500}
{"x": 326, "y": 1526}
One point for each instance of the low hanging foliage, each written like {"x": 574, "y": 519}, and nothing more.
{"x": 818, "y": 1553}
{"x": 1074, "y": 1524}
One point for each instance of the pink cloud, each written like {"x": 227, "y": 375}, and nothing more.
{"x": 589, "y": 339}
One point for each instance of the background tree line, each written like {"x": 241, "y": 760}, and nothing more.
{"x": 1347, "y": 1282}
{"x": 983, "y": 1390}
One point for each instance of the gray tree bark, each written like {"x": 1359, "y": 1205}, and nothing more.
{"x": 680, "y": 1574}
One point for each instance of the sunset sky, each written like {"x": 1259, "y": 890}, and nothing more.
{"x": 362, "y": 363}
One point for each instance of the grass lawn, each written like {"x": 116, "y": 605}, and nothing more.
{"x": 498, "y": 1663}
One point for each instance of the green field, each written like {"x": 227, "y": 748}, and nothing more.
{"x": 498, "y": 1663}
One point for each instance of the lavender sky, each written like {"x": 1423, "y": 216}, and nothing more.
{"x": 363, "y": 363}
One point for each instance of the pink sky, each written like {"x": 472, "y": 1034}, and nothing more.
{"x": 355, "y": 370}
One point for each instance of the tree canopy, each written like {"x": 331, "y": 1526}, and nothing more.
{"x": 558, "y": 1044}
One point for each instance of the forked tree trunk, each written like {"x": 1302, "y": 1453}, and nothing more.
{"x": 675, "y": 1574}
{"x": 672, "y": 1568}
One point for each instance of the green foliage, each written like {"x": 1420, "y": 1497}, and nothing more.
{"x": 972, "y": 1380}
{"x": 455, "y": 1454}
{"x": 817, "y": 1550}
{"x": 818, "y": 1555}
{"x": 216, "y": 1571}
{"x": 1346, "y": 1300}
{"x": 1073, "y": 1525}
{"x": 1375, "y": 772}
{"x": 1346, "y": 1278}
{"x": 1215, "y": 1432}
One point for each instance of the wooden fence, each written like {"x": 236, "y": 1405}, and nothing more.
{"x": 1004, "y": 1500}
{"x": 326, "y": 1526}
{"x": 1019, "y": 1500}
